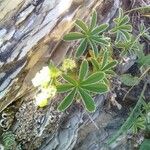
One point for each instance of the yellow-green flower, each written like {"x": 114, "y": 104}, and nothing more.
{"x": 55, "y": 72}
{"x": 42, "y": 77}
{"x": 51, "y": 91}
{"x": 68, "y": 64}
{"x": 41, "y": 99}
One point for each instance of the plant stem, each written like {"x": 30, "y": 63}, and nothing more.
{"x": 128, "y": 123}
{"x": 135, "y": 83}
{"x": 138, "y": 8}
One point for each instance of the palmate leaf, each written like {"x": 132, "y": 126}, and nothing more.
{"x": 73, "y": 36}
{"x": 87, "y": 100}
{"x": 89, "y": 36}
{"x": 82, "y": 85}
{"x": 67, "y": 101}
{"x": 96, "y": 87}
{"x": 122, "y": 27}
{"x": 84, "y": 68}
{"x": 82, "y": 47}
{"x": 93, "y": 78}
{"x": 64, "y": 87}
{"x": 93, "y": 20}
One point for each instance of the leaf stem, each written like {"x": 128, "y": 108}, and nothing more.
{"x": 138, "y": 8}
{"x": 128, "y": 123}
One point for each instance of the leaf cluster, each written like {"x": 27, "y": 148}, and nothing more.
{"x": 82, "y": 85}
{"x": 90, "y": 35}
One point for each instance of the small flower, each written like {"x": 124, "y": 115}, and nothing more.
{"x": 42, "y": 77}
{"x": 55, "y": 72}
{"x": 68, "y": 64}
{"x": 42, "y": 103}
{"x": 42, "y": 97}
{"x": 52, "y": 91}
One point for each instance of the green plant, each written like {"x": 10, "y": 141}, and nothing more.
{"x": 138, "y": 124}
{"x": 82, "y": 85}
{"x": 131, "y": 46}
{"x": 144, "y": 31}
{"x": 131, "y": 119}
{"x": 129, "y": 80}
{"x": 89, "y": 36}
{"x": 9, "y": 141}
{"x": 145, "y": 145}
{"x": 104, "y": 63}
{"x": 122, "y": 28}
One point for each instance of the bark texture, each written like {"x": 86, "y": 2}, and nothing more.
{"x": 31, "y": 34}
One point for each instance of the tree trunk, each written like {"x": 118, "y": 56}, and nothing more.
{"x": 31, "y": 34}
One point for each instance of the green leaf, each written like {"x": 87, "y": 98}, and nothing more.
{"x": 82, "y": 25}
{"x": 145, "y": 145}
{"x": 93, "y": 20}
{"x": 120, "y": 13}
{"x": 127, "y": 35}
{"x": 100, "y": 29}
{"x": 100, "y": 40}
{"x": 67, "y": 101}
{"x": 125, "y": 20}
{"x": 96, "y": 87}
{"x": 64, "y": 87}
{"x": 95, "y": 77}
{"x": 105, "y": 59}
{"x": 69, "y": 79}
{"x": 83, "y": 70}
{"x": 110, "y": 72}
{"x": 95, "y": 64}
{"x": 126, "y": 28}
{"x": 82, "y": 47}
{"x": 110, "y": 65}
{"x": 144, "y": 60}
{"x": 118, "y": 36}
{"x": 73, "y": 36}
{"x": 94, "y": 47}
{"x": 87, "y": 100}
{"x": 129, "y": 80}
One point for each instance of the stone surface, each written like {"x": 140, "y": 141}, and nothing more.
{"x": 31, "y": 34}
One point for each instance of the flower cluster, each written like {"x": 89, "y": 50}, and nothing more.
{"x": 42, "y": 80}
{"x": 68, "y": 64}
{"x": 42, "y": 77}
{"x": 45, "y": 80}
{"x": 42, "y": 97}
